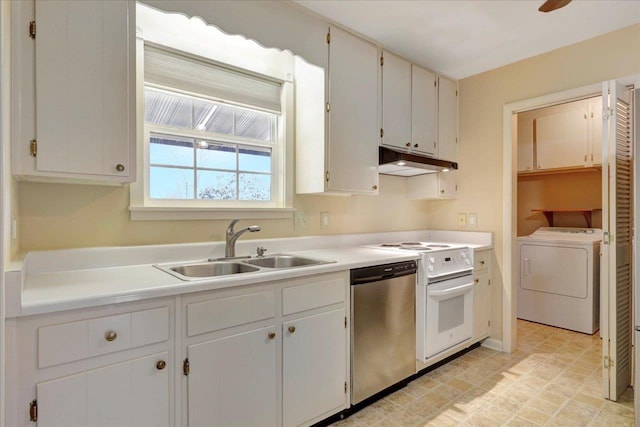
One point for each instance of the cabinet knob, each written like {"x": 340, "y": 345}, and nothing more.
{"x": 482, "y": 262}
{"x": 271, "y": 335}
{"x": 292, "y": 329}
{"x": 539, "y": 166}
{"x": 477, "y": 280}
{"x": 160, "y": 365}
{"x": 442, "y": 191}
{"x": 415, "y": 145}
{"x": 408, "y": 144}
{"x": 375, "y": 187}
{"x": 110, "y": 335}
{"x": 120, "y": 167}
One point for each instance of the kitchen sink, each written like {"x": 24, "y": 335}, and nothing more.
{"x": 208, "y": 269}
{"x": 284, "y": 261}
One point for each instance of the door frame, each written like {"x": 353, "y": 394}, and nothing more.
{"x": 510, "y": 199}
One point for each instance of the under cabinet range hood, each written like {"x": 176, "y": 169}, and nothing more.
{"x": 392, "y": 162}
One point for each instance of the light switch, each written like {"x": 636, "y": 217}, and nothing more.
{"x": 324, "y": 219}
{"x": 473, "y": 220}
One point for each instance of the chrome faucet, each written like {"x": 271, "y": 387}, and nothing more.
{"x": 232, "y": 236}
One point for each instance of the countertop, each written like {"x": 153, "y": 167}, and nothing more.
{"x": 71, "y": 279}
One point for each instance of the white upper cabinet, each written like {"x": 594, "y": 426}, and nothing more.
{"x": 423, "y": 111}
{"x": 396, "y": 101}
{"x": 564, "y": 136}
{"x": 408, "y": 106}
{"x": 561, "y": 136}
{"x": 337, "y": 119}
{"x": 525, "y": 142}
{"x": 85, "y": 107}
{"x": 447, "y": 119}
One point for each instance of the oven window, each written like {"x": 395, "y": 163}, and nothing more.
{"x": 450, "y": 313}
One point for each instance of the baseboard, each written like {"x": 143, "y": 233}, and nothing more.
{"x": 493, "y": 344}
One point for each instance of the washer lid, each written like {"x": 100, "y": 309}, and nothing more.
{"x": 566, "y": 234}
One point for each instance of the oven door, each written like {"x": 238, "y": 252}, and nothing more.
{"x": 449, "y": 314}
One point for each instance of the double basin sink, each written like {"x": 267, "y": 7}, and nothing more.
{"x": 216, "y": 268}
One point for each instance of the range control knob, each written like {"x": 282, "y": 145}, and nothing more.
{"x": 431, "y": 268}
{"x": 432, "y": 260}
{"x": 463, "y": 254}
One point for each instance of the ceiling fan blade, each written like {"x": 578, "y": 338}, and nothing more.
{"x": 551, "y": 5}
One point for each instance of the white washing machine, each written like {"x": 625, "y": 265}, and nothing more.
{"x": 560, "y": 278}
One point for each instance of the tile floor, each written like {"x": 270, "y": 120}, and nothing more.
{"x": 553, "y": 379}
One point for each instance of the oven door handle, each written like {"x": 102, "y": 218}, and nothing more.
{"x": 451, "y": 292}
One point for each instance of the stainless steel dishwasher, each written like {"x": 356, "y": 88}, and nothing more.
{"x": 383, "y": 327}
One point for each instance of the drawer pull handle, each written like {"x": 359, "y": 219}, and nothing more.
{"x": 271, "y": 335}
{"x": 292, "y": 329}
{"x": 160, "y": 365}
{"x": 110, "y": 335}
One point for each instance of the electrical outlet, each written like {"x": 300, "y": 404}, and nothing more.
{"x": 300, "y": 221}
{"x": 462, "y": 220}
{"x": 473, "y": 220}
{"x": 324, "y": 219}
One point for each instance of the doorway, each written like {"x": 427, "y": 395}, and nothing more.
{"x": 512, "y": 163}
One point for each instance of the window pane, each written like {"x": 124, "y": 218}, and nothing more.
{"x": 255, "y": 159}
{"x": 255, "y": 187}
{"x": 254, "y": 125}
{"x": 216, "y": 185}
{"x": 212, "y": 117}
{"x": 170, "y": 183}
{"x": 215, "y": 156}
{"x": 170, "y": 150}
{"x": 166, "y": 109}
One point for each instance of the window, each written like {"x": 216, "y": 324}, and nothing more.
{"x": 214, "y": 139}
{"x": 228, "y": 158}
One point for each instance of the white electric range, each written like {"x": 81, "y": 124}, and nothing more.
{"x": 444, "y": 295}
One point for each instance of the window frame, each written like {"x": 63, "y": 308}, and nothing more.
{"x": 142, "y": 207}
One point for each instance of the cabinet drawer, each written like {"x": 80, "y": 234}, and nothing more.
{"x": 214, "y": 315}
{"x": 481, "y": 261}
{"x": 93, "y": 337}
{"x": 319, "y": 294}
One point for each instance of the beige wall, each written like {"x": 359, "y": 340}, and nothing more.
{"x": 55, "y": 216}
{"x": 482, "y": 98}
{"x": 575, "y": 190}
{"x": 63, "y": 216}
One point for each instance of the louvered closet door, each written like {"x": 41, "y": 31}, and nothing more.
{"x": 615, "y": 273}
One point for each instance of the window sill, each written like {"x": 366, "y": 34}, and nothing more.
{"x": 146, "y": 213}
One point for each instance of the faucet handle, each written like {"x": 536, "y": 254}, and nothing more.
{"x": 260, "y": 250}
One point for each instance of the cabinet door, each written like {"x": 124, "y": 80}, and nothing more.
{"x": 595, "y": 131}
{"x": 232, "y": 381}
{"x": 561, "y": 136}
{"x": 85, "y": 97}
{"x": 481, "y": 306}
{"x": 525, "y": 141}
{"x": 314, "y": 367}
{"x": 448, "y": 184}
{"x": 129, "y": 394}
{"x": 353, "y": 115}
{"x": 423, "y": 110}
{"x": 396, "y": 101}
{"x": 447, "y": 119}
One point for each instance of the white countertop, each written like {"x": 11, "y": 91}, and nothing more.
{"x": 79, "y": 278}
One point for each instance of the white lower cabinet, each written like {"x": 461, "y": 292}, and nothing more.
{"x": 234, "y": 380}
{"x": 313, "y": 367}
{"x": 282, "y": 361}
{"x": 129, "y": 394}
{"x": 482, "y": 295}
